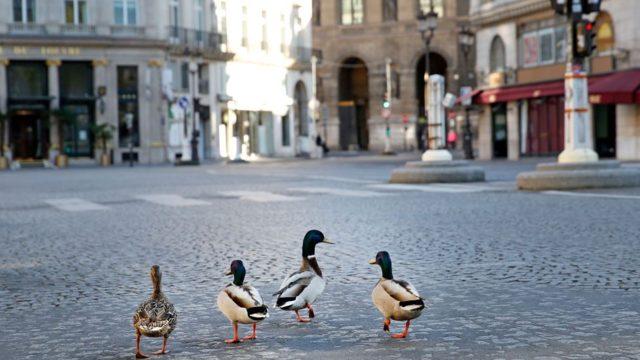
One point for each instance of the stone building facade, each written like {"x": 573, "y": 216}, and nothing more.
{"x": 521, "y": 57}
{"x": 142, "y": 65}
{"x": 357, "y": 38}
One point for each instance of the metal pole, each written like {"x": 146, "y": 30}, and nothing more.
{"x": 467, "y": 137}
{"x": 194, "y": 131}
{"x": 387, "y": 139}
{"x": 425, "y": 131}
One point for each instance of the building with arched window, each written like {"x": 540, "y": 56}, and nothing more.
{"x": 520, "y": 62}
{"x": 356, "y": 38}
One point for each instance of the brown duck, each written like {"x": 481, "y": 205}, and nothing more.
{"x": 155, "y": 317}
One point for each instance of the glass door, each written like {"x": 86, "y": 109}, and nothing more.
{"x": 499, "y": 122}
{"x": 78, "y": 140}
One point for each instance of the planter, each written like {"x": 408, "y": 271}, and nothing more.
{"x": 105, "y": 160}
{"x": 4, "y": 163}
{"x": 62, "y": 161}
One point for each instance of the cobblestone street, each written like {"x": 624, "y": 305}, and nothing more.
{"x": 509, "y": 274}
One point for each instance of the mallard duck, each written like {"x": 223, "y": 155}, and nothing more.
{"x": 154, "y": 317}
{"x": 302, "y": 288}
{"x": 395, "y": 299}
{"x": 241, "y": 303}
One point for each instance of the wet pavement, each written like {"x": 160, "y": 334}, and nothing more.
{"x": 508, "y": 274}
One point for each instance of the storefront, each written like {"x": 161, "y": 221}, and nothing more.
{"x": 532, "y": 117}
{"x": 76, "y": 96}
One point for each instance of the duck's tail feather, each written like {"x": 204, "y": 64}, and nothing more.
{"x": 285, "y": 303}
{"x": 412, "y": 305}
{"x": 258, "y": 312}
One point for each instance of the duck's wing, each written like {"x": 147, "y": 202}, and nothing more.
{"x": 295, "y": 283}
{"x": 155, "y": 317}
{"x": 403, "y": 292}
{"x": 244, "y": 296}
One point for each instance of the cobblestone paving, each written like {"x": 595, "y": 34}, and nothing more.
{"x": 509, "y": 275}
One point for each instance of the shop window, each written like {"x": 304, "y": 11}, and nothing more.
{"x": 24, "y": 11}
{"x": 390, "y": 10}
{"x": 128, "y": 106}
{"x": 27, "y": 79}
{"x": 76, "y": 80}
{"x": 497, "y": 56}
{"x": 351, "y": 12}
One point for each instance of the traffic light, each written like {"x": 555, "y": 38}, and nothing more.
{"x": 386, "y": 103}
{"x": 584, "y": 39}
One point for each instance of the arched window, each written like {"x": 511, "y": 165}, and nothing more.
{"x": 390, "y": 10}
{"x": 301, "y": 110}
{"x": 497, "y": 57}
{"x": 605, "y": 39}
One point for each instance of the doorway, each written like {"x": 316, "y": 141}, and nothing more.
{"x": 604, "y": 121}
{"x": 78, "y": 138}
{"x": 28, "y": 134}
{"x": 499, "y": 130}
{"x": 353, "y": 105}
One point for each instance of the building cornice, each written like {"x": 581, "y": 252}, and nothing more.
{"x": 490, "y": 15}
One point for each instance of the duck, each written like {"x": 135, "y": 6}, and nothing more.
{"x": 301, "y": 289}
{"x": 156, "y": 316}
{"x": 241, "y": 303}
{"x": 396, "y": 299}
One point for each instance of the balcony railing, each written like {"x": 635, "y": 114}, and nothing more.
{"x": 77, "y": 29}
{"x": 127, "y": 31}
{"x": 27, "y": 29}
{"x": 195, "y": 39}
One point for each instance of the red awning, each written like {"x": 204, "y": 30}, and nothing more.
{"x": 529, "y": 91}
{"x": 621, "y": 87}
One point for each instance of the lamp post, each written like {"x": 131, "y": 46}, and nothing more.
{"x": 466, "y": 39}
{"x": 427, "y": 24}
{"x": 195, "y": 159}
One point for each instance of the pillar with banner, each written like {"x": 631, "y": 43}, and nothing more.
{"x": 578, "y": 143}
{"x": 436, "y": 121}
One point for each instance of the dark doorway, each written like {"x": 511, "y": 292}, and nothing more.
{"x": 499, "y": 130}
{"x": 437, "y": 65}
{"x": 28, "y": 134}
{"x": 76, "y": 96}
{"x": 353, "y": 106}
{"x": 604, "y": 121}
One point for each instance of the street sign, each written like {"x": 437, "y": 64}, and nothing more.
{"x": 183, "y": 102}
{"x": 465, "y": 95}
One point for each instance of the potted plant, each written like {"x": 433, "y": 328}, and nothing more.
{"x": 4, "y": 162}
{"x": 103, "y": 133}
{"x": 63, "y": 118}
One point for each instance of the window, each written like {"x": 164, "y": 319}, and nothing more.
{"x": 425, "y": 6}
{"x": 542, "y": 47}
{"x": 199, "y": 14}
{"x": 245, "y": 27}
{"x": 24, "y": 11}
{"x": 25, "y": 79}
{"x": 297, "y": 26}
{"x": 264, "y": 44}
{"x": 76, "y": 80}
{"x": 283, "y": 34}
{"x": 389, "y": 10}
{"x": 125, "y": 12}
{"x": 317, "y": 12}
{"x": 605, "y": 39}
{"x": 184, "y": 76}
{"x": 203, "y": 79}
{"x": 75, "y": 12}
{"x": 174, "y": 15}
{"x": 286, "y": 132}
{"x": 301, "y": 110}
{"x": 222, "y": 17}
{"x": 497, "y": 61}
{"x": 128, "y": 106}
{"x": 352, "y": 12}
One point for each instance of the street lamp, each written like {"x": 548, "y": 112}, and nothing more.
{"x": 466, "y": 39}
{"x": 427, "y": 24}
{"x": 193, "y": 70}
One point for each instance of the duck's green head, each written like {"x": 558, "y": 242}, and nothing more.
{"x": 384, "y": 260}
{"x": 311, "y": 239}
{"x": 238, "y": 272}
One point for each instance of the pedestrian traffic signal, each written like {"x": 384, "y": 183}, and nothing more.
{"x": 386, "y": 103}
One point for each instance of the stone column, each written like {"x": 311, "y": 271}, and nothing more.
{"x": 53, "y": 66}
{"x": 436, "y": 121}
{"x": 578, "y": 125}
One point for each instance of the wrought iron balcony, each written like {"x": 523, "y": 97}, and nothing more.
{"x": 77, "y": 29}
{"x": 194, "y": 40}
{"x": 127, "y": 31}
{"x": 27, "y": 29}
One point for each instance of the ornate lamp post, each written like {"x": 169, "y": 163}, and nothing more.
{"x": 466, "y": 39}
{"x": 427, "y": 24}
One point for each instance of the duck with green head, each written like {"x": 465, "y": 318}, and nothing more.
{"x": 301, "y": 289}
{"x": 241, "y": 303}
{"x": 155, "y": 317}
{"x": 395, "y": 299}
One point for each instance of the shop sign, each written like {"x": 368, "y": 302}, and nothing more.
{"x": 40, "y": 50}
